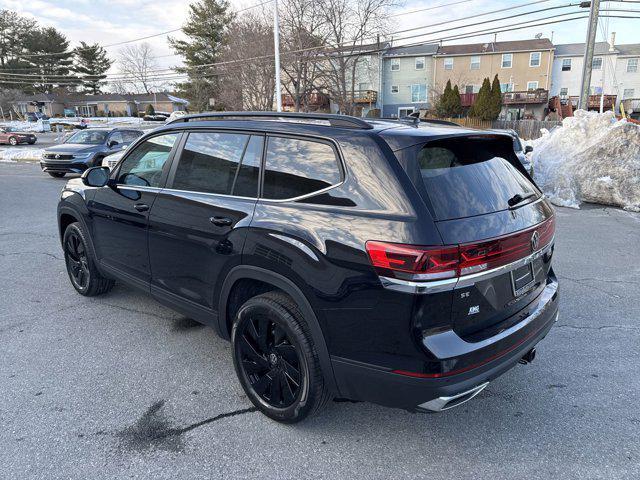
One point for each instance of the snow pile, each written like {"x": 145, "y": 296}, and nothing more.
{"x": 593, "y": 158}
{"x": 12, "y": 154}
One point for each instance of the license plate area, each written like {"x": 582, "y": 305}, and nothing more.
{"x": 522, "y": 279}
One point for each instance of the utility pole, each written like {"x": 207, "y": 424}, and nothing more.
{"x": 594, "y": 8}
{"x": 276, "y": 44}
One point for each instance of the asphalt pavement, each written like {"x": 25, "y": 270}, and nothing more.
{"x": 120, "y": 387}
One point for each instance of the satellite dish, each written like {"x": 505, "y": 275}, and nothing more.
{"x": 538, "y": 35}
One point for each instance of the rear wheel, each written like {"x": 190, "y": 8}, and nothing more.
{"x": 78, "y": 256}
{"x": 56, "y": 174}
{"x": 13, "y": 141}
{"x": 275, "y": 358}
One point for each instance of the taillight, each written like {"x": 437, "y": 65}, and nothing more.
{"x": 408, "y": 261}
{"x": 435, "y": 263}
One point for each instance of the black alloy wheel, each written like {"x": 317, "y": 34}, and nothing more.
{"x": 275, "y": 358}
{"x": 270, "y": 360}
{"x": 78, "y": 256}
{"x": 75, "y": 255}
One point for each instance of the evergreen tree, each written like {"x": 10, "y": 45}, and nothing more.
{"x": 482, "y": 106}
{"x": 456, "y": 102}
{"x": 49, "y": 56}
{"x": 496, "y": 98}
{"x": 150, "y": 110}
{"x": 91, "y": 64}
{"x": 443, "y": 106}
{"x": 205, "y": 31}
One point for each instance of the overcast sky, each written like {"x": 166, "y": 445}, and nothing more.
{"x": 112, "y": 21}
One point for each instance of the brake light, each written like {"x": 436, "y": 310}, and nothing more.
{"x": 424, "y": 263}
{"x": 434, "y": 263}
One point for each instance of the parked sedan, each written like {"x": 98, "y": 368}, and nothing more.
{"x": 84, "y": 149}
{"x": 14, "y": 137}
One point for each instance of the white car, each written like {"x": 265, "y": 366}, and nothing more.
{"x": 111, "y": 160}
{"x": 175, "y": 115}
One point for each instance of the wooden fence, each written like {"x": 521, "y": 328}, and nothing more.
{"x": 527, "y": 129}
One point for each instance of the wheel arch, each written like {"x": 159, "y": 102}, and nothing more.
{"x": 279, "y": 282}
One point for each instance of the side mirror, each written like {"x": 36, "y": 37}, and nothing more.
{"x": 96, "y": 176}
{"x": 528, "y": 149}
{"x": 112, "y": 143}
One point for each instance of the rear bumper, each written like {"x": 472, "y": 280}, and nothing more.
{"x": 483, "y": 362}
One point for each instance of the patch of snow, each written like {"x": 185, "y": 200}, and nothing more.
{"x": 13, "y": 154}
{"x": 592, "y": 158}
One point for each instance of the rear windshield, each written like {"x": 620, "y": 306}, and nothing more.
{"x": 468, "y": 176}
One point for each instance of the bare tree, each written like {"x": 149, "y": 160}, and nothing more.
{"x": 137, "y": 62}
{"x": 247, "y": 82}
{"x": 350, "y": 26}
{"x": 302, "y": 41}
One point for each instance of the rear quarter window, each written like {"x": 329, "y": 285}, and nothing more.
{"x": 467, "y": 176}
{"x": 296, "y": 167}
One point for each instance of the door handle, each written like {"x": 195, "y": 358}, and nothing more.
{"x": 221, "y": 221}
{"x": 141, "y": 207}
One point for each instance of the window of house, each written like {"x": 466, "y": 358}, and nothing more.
{"x": 395, "y": 89}
{"x": 419, "y": 92}
{"x": 363, "y": 87}
{"x": 420, "y": 63}
{"x": 475, "y": 62}
{"x": 296, "y": 167}
{"x": 564, "y": 91}
{"x": 532, "y": 86}
{"x": 223, "y": 163}
{"x": 469, "y": 89}
{"x": 534, "y": 59}
{"x": 628, "y": 93}
{"x": 507, "y": 60}
{"x": 596, "y": 63}
{"x": 632, "y": 65}
{"x": 143, "y": 166}
{"x": 506, "y": 87}
{"x": 405, "y": 111}
{"x": 448, "y": 63}
{"x": 395, "y": 64}
{"x": 566, "y": 64}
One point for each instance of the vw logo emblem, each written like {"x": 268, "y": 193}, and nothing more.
{"x": 535, "y": 240}
{"x": 57, "y": 155}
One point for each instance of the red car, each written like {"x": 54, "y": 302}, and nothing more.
{"x": 13, "y": 137}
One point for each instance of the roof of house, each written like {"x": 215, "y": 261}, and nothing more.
{"x": 497, "y": 47}
{"x": 577, "y": 49}
{"x": 79, "y": 98}
{"x": 629, "y": 49}
{"x": 38, "y": 97}
{"x": 412, "y": 50}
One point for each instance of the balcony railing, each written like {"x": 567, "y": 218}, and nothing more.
{"x": 314, "y": 100}
{"x": 532, "y": 96}
{"x": 510, "y": 98}
{"x": 609, "y": 101}
{"x": 365, "y": 96}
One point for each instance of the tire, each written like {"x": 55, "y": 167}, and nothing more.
{"x": 32, "y": 142}
{"x": 81, "y": 267}
{"x": 56, "y": 174}
{"x": 13, "y": 141}
{"x": 271, "y": 342}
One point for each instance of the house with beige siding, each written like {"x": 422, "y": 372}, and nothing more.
{"x": 523, "y": 68}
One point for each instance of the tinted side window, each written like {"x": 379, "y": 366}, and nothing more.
{"x": 130, "y": 136}
{"x": 298, "y": 167}
{"x": 224, "y": 163}
{"x": 143, "y": 167}
{"x": 116, "y": 137}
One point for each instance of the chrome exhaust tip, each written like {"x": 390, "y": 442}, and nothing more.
{"x": 445, "y": 403}
{"x": 528, "y": 357}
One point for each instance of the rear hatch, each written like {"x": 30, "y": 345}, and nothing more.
{"x": 484, "y": 202}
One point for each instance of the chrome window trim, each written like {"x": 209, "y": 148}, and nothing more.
{"x": 209, "y": 194}
{"x": 141, "y": 188}
{"x": 421, "y": 288}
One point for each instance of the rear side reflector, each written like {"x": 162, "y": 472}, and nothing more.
{"x": 435, "y": 263}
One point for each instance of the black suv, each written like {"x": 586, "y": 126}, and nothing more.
{"x": 399, "y": 263}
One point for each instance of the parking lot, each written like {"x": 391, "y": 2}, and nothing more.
{"x": 119, "y": 386}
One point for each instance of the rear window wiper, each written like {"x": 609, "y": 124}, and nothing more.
{"x": 517, "y": 198}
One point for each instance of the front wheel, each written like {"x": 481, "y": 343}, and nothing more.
{"x": 82, "y": 270}
{"x": 275, "y": 358}
{"x": 13, "y": 141}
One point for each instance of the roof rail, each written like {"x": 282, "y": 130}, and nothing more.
{"x": 344, "y": 121}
